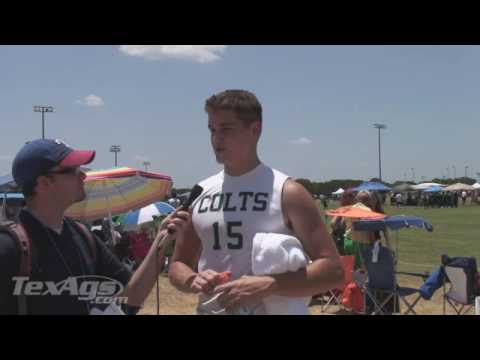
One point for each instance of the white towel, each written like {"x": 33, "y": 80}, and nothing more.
{"x": 278, "y": 254}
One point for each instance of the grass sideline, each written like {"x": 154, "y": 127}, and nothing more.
{"x": 456, "y": 232}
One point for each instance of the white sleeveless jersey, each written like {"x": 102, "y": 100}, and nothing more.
{"x": 228, "y": 214}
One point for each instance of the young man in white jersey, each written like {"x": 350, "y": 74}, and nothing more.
{"x": 246, "y": 198}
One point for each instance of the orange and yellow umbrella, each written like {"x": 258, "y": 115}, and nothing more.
{"x": 355, "y": 212}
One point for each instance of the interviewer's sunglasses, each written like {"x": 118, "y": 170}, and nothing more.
{"x": 66, "y": 171}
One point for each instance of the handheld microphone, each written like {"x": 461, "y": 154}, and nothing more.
{"x": 194, "y": 194}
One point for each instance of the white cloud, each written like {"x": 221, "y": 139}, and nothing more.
{"x": 301, "y": 141}
{"x": 91, "y": 101}
{"x": 198, "y": 53}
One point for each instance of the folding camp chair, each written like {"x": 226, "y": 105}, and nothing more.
{"x": 335, "y": 296}
{"x": 461, "y": 273}
{"x": 381, "y": 288}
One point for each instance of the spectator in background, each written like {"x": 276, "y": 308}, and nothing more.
{"x": 464, "y": 197}
{"x": 455, "y": 199}
{"x": 376, "y": 205}
{"x": 398, "y": 199}
{"x": 338, "y": 225}
{"x": 325, "y": 202}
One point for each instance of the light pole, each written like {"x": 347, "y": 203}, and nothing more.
{"x": 466, "y": 168}
{"x": 448, "y": 172}
{"x": 454, "y": 171}
{"x": 413, "y": 174}
{"x": 478, "y": 175}
{"x": 115, "y": 149}
{"x": 379, "y": 127}
{"x": 146, "y": 164}
{"x": 43, "y": 110}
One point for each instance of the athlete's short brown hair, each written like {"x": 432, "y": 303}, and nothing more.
{"x": 242, "y": 103}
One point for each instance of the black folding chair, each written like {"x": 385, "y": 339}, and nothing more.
{"x": 382, "y": 288}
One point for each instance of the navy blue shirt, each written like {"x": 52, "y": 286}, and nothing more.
{"x": 50, "y": 266}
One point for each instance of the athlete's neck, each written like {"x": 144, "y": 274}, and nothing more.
{"x": 243, "y": 168}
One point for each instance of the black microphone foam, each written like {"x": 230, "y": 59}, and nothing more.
{"x": 195, "y": 193}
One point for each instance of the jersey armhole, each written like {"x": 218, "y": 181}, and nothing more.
{"x": 286, "y": 221}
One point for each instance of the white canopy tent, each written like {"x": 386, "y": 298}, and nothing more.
{"x": 459, "y": 187}
{"x": 340, "y": 191}
{"x": 425, "y": 186}
{"x": 476, "y": 186}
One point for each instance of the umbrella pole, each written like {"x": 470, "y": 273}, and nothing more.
{"x": 395, "y": 259}
{"x": 159, "y": 246}
{"x": 112, "y": 232}
{"x": 158, "y": 284}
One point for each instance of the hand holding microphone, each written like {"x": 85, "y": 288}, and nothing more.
{"x": 180, "y": 217}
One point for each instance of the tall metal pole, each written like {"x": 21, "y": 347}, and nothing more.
{"x": 379, "y": 156}
{"x": 43, "y": 110}
{"x": 146, "y": 164}
{"x": 379, "y": 127}
{"x": 115, "y": 149}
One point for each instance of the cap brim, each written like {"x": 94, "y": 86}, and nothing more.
{"x": 78, "y": 158}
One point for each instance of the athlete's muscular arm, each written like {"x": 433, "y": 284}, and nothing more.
{"x": 324, "y": 273}
{"x": 184, "y": 260}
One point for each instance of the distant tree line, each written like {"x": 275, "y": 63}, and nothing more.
{"x": 327, "y": 188}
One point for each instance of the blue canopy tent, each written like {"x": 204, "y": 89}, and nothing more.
{"x": 372, "y": 186}
{"x": 11, "y": 196}
{"x": 433, "y": 189}
{"x": 7, "y": 184}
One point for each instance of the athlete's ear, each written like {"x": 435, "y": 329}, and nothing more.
{"x": 257, "y": 128}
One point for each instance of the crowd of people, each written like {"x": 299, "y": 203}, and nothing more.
{"x": 440, "y": 199}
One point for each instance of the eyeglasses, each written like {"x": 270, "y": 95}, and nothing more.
{"x": 66, "y": 171}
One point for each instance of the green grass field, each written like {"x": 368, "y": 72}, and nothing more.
{"x": 456, "y": 232}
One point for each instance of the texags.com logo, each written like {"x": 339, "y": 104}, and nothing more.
{"x": 95, "y": 289}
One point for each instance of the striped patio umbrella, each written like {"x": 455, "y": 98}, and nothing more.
{"x": 116, "y": 191}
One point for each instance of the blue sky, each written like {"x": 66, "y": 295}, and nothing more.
{"x": 319, "y": 106}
